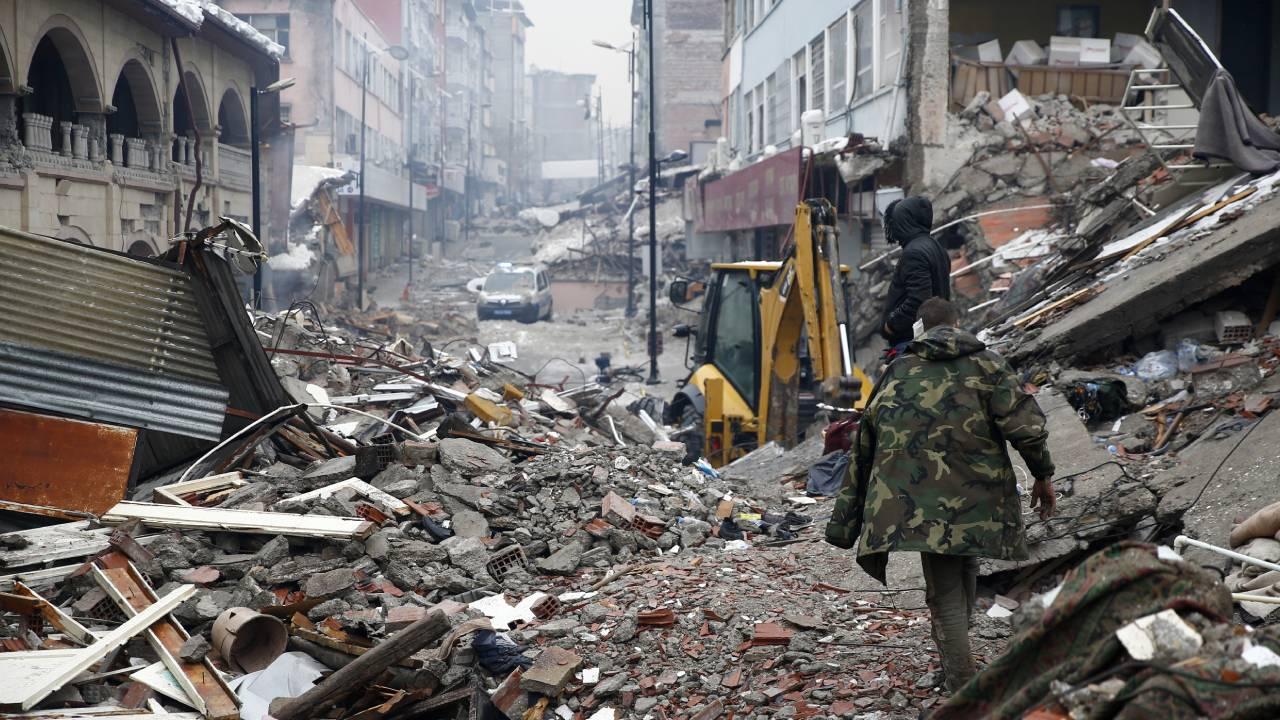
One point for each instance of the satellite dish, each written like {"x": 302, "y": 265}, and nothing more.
{"x": 242, "y": 249}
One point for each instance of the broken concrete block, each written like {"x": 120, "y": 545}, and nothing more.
{"x": 273, "y": 553}
{"x": 551, "y": 671}
{"x": 328, "y": 472}
{"x": 563, "y": 561}
{"x": 421, "y": 454}
{"x": 378, "y": 545}
{"x": 470, "y": 524}
{"x": 194, "y": 649}
{"x": 469, "y": 458}
{"x": 1163, "y": 636}
{"x": 617, "y": 511}
{"x": 468, "y": 554}
{"x": 330, "y": 584}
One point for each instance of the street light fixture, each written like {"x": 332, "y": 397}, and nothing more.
{"x": 630, "y": 52}
{"x": 255, "y": 167}
{"x": 399, "y": 53}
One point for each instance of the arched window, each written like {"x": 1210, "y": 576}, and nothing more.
{"x": 231, "y": 120}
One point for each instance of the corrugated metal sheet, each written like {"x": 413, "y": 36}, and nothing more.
{"x": 91, "y": 304}
{"x": 70, "y": 385}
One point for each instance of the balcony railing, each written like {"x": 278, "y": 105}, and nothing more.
{"x": 235, "y": 167}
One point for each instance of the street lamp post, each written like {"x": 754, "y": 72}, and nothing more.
{"x": 399, "y": 53}
{"x": 631, "y": 174}
{"x": 256, "y": 168}
{"x": 653, "y": 203}
{"x": 409, "y": 163}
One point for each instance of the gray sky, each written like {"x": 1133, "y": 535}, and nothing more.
{"x": 561, "y": 36}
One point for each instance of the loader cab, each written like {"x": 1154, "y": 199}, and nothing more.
{"x": 729, "y": 330}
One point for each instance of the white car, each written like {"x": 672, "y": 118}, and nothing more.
{"x": 516, "y": 292}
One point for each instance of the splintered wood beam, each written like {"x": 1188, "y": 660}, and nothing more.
{"x": 203, "y": 684}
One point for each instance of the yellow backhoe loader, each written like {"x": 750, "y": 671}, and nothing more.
{"x": 769, "y": 334}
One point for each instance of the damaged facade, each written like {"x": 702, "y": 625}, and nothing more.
{"x": 108, "y": 140}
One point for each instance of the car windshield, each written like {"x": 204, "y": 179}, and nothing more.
{"x": 508, "y": 281}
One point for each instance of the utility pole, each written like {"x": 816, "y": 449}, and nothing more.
{"x": 409, "y": 122}
{"x": 653, "y": 202}
{"x": 360, "y": 232}
{"x": 631, "y": 188}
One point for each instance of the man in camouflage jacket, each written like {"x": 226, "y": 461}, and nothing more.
{"x": 932, "y": 473}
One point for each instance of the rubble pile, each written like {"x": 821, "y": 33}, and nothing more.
{"x": 589, "y": 242}
{"x": 1044, "y": 145}
{"x": 396, "y": 524}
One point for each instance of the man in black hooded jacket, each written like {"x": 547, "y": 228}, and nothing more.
{"x": 923, "y": 272}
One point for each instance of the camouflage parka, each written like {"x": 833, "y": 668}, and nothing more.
{"x": 931, "y": 472}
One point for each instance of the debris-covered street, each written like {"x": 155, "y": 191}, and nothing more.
{"x": 666, "y": 359}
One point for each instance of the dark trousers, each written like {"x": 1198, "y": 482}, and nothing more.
{"x": 951, "y": 583}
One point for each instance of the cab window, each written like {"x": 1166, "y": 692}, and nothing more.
{"x": 733, "y": 349}
{"x": 542, "y": 281}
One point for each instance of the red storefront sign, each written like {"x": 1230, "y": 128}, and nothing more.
{"x": 762, "y": 195}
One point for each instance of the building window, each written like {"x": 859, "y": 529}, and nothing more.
{"x": 817, "y": 71}
{"x": 837, "y": 51}
{"x": 760, "y": 120}
{"x": 1079, "y": 20}
{"x": 890, "y": 41}
{"x": 780, "y": 103}
{"x": 751, "y": 124}
{"x": 273, "y": 25}
{"x": 286, "y": 113}
{"x": 751, "y": 14}
{"x": 863, "y": 51}
{"x": 800, "y": 84}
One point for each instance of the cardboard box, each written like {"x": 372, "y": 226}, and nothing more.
{"x": 1015, "y": 105}
{"x": 1026, "y": 52}
{"x": 1095, "y": 51}
{"x": 1079, "y": 52}
{"x": 989, "y": 52}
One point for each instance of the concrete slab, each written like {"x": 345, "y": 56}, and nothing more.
{"x": 1194, "y": 270}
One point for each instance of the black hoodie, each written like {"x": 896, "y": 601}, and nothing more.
{"x": 923, "y": 272}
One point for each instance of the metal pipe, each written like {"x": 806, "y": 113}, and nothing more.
{"x": 1247, "y": 597}
{"x": 1182, "y": 541}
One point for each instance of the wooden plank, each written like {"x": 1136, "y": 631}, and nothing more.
{"x": 28, "y": 677}
{"x": 202, "y": 683}
{"x": 105, "y": 711}
{"x": 37, "y": 577}
{"x": 58, "y": 542}
{"x": 53, "y": 615}
{"x": 243, "y": 521}
{"x": 362, "y": 670}
{"x": 319, "y": 638}
{"x": 172, "y": 494}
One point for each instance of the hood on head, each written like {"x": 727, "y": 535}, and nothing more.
{"x": 946, "y": 343}
{"x": 910, "y": 218}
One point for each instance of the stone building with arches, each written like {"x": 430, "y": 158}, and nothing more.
{"x": 126, "y": 122}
